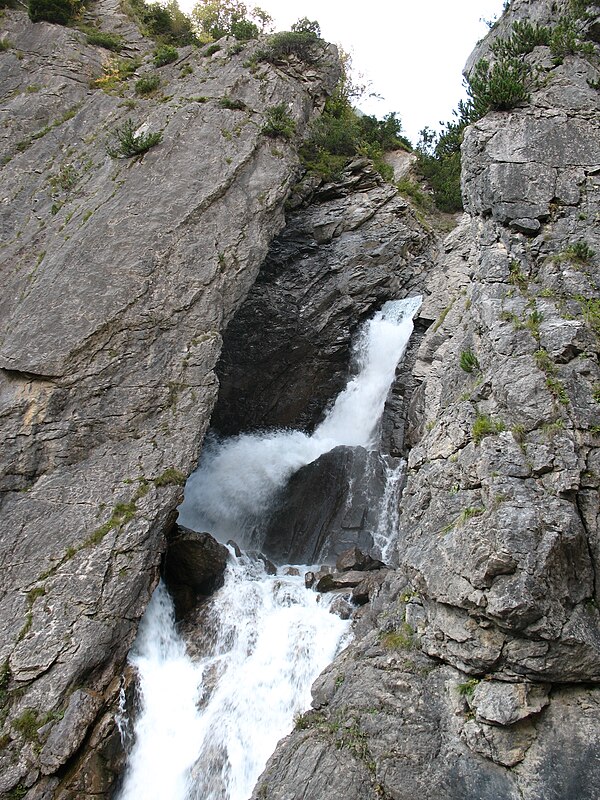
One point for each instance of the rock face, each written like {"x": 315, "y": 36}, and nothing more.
{"x": 345, "y": 487}
{"x": 346, "y": 249}
{"x": 475, "y": 673}
{"x": 118, "y": 277}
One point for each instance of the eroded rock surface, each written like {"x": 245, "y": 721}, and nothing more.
{"x": 119, "y": 276}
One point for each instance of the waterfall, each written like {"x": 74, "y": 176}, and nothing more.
{"x": 238, "y": 478}
{"x": 206, "y": 727}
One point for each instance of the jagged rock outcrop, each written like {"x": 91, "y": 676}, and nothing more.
{"x": 475, "y": 671}
{"x": 119, "y": 276}
{"x": 347, "y": 248}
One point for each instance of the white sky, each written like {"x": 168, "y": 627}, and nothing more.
{"x": 412, "y": 51}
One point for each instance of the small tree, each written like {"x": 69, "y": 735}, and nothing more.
{"x": 305, "y": 25}
{"x": 61, "y": 12}
{"x": 217, "y": 18}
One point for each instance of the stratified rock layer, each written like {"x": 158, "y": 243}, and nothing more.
{"x": 475, "y": 671}
{"x": 118, "y": 278}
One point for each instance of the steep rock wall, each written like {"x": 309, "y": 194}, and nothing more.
{"x": 474, "y": 674}
{"x": 119, "y": 276}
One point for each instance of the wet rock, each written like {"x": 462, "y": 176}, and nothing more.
{"x": 345, "y": 486}
{"x": 339, "y": 580}
{"x": 339, "y": 258}
{"x": 309, "y": 579}
{"x": 194, "y": 566}
{"x": 341, "y": 607}
{"x": 355, "y": 559}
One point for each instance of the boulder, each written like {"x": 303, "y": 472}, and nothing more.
{"x": 355, "y": 559}
{"x": 194, "y": 566}
{"x": 345, "y": 487}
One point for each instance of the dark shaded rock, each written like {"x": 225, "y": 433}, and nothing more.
{"x": 194, "y": 566}
{"x": 370, "y": 584}
{"x": 270, "y": 568}
{"x": 339, "y": 258}
{"x": 355, "y": 559}
{"x": 528, "y": 226}
{"x": 236, "y": 548}
{"x": 345, "y": 487}
{"x": 309, "y": 579}
{"x": 339, "y": 580}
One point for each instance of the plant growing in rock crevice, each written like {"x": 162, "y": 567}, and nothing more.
{"x": 278, "y": 122}
{"x": 126, "y": 143}
{"x": 484, "y": 426}
{"x": 468, "y": 361}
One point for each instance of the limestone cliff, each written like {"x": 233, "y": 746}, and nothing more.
{"x": 119, "y": 276}
{"x": 474, "y": 674}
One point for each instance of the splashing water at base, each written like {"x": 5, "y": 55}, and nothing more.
{"x": 274, "y": 638}
{"x": 206, "y": 729}
{"x": 237, "y": 479}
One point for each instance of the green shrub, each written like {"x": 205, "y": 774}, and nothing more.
{"x": 147, "y": 85}
{"x": 165, "y": 54}
{"x": 232, "y": 104}
{"x": 61, "y": 12}
{"x": 282, "y": 46}
{"x": 279, "y": 123}
{"x": 211, "y": 50}
{"x": 484, "y": 426}
{"x": 244, "y": 30}
{"x": 467, "y": 689}
{"x": 5, "y": 44}
{"x": 125, "y": 142}
{"x": 110, "y": 41}
{"x": 309, "y": 26}
{"x": 580, "y": 252}
{"x": 468, "y": 361}
{"x": 523, "y": 38}
{"x": 498, "y": 87}
{"x": 166, "y": 24}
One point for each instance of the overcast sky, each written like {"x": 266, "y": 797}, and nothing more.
{"x": 412, "y": 51}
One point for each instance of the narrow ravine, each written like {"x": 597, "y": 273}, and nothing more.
{"x": 206, "y": 727}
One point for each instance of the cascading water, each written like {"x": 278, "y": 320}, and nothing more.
{"x": 238, "y": 478}
{"x": 207, "y": 727}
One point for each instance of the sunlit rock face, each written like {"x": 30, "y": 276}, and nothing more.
{"x": 474, "y": 672}
{"x": 119, "y": 276}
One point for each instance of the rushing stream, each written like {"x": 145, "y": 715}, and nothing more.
{"x": 206, "y": 727}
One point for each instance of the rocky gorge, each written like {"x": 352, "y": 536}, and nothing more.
{"x": 134, "y": 289}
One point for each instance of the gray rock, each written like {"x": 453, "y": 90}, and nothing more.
{"x": 355, "y": 559}
{"x": 507, "y": 703}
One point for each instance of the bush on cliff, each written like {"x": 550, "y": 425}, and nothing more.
{"x": 61, "y": 12}
{"x": 217, "y": 18}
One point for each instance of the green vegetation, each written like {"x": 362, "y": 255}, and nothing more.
{"x": 126, "y": 143}
{"x": 402, "y": 639}
{"x": 110, "y": 41}
{"x": 287, "y": 44}
{"x": 61, "y": 12}
{"x": 115, "y": 72}
{"x": 578, "y": 252}
{"x": 170, "y": 477}
{"x": 232, "y": 104}
{"x": 279, "y": 123}
{"x": 217, "y": 18}
{"x": 516, "y": 276}
{"x": 484, "y": 426}
{"x": 5, "y": 44}
{"x": 468, "y": 361}
{"x": 27, "y": 724}
{"x": 146, "y": 85}
{"x": 496, "y": 85}
{"x": 166, "y": 24}
{"x": 544, "y": 362}
{"x": 467, "y": 689}
{"x": 591, "y": 312}
{"x": 165, "y": 54}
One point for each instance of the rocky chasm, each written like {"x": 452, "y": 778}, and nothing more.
{"x": 473, "y": 671}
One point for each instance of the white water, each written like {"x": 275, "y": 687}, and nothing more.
{"x": 206, "y": 729}
{"x": 238, "y": 478}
